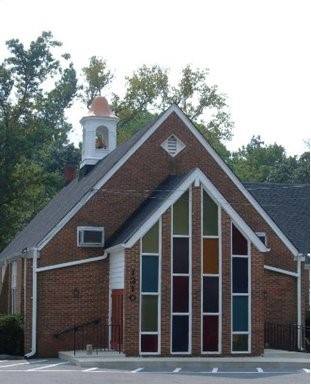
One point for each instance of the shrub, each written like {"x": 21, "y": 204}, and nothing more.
{"x": 11, "y": 335}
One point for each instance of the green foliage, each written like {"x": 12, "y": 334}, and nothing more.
{"x": 11, "y": 335}
{"x": 148, "y": 92}
{"x": 37, "y": 85}
{"x": 258, "y": 162}
{"x": 97, "y": 76}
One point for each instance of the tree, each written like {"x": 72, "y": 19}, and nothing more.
{"x": 97, "y": 77}
{"x": 148, "y": 92}
{"x": 37, "y": 85}
{"x": 259, "y": 162}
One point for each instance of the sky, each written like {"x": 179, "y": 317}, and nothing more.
{"x": 258, "y": 52}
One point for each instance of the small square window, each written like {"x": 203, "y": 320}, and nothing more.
{"x": 90, "y": 236}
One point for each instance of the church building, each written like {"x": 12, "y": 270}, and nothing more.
{"x": 156, "y": 248}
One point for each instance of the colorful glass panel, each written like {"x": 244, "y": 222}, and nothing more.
{"x": 181, "y": 255}
{"x": 150, "y": 242}
{"x": 149, "y": 313}
{"x": 180, "y": 294}
{"x": 150, "y": 273}
{"x": 210, "y": 333}
{"x": 210, "y": 216}
{"x": 181, "y": 215}
{"x": 210, "y": 295}
{"x": 210, "y": 256}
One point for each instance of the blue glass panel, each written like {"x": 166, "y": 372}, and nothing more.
{"x": 240, "y": 275}
{"x": 210, "y": 294}
{"x": 150, "y": 273}
{"x": 240, "y": 314}
{"x": 180, "y": 333}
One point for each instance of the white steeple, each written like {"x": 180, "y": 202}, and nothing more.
{"x": 99, "y": 132}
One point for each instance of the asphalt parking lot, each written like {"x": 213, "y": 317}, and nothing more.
{"x": 58, "y": 371}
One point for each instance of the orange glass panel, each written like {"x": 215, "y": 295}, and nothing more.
{"x": 210, "y": 256}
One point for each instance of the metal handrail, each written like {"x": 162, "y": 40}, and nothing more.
{"x": 77, "y": 327}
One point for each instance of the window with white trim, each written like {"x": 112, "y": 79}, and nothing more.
{"x": 240, "y": 288}
{"x": 150, "y": 286}
{"x": 90, "y": 236}
{"x": 181, "y": 276}
{"x": 211, "y": 279}
{"x": 13, "y": 286}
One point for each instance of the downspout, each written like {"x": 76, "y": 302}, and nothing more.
{"x": 299, "y": 325}
{"x": 34, "y": 305}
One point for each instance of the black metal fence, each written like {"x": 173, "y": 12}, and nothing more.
{"x": 287, "y": 336}
{"x": 95, "y": 334}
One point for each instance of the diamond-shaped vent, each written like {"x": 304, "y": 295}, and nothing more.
{"x": 173, "y": 145}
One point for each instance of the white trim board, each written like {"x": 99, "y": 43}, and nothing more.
{"x": 172, "y": 109}
{"x": 281, "y": 271}
{"x": 195, "y": 176}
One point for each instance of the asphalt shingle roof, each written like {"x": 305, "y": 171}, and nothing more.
{"x": 147, "y": 208}
{"x": 289, "y": 207}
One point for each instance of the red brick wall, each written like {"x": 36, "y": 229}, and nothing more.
{"x": 4, "y": 293}
{"x": 280, "y": 297}
{"x": 146, "y": 168}
{"x": 58, "y": 307}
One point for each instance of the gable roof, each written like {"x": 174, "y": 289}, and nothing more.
{"x": 68, "y": 201}
{"x": 289, "y": 207}
{"x": 163, "y": 197}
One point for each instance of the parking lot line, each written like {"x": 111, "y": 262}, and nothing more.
{"x": 16, "y": 364}
{"x": 259, "y": 370}
{"x": 215, "y": 370}
{"x": 177, "y": 370}
{"x": 137, "y": 370}
{"x": 46, "y": 366}
{"x": 89, "y": 369}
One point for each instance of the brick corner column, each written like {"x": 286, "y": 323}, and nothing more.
{"x": 131, "y": 301}
{"x": 257, "y": 302}
{"x": 196, "y": 271}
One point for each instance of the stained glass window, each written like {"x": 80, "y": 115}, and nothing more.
{"x": 240, "y": 342}
{"x": 181, "y": 255}
{"x": 210, "y": 295}
{"x": 150, "y": 242}
{"x": 210, "y": 256}
{"x": 149, "y": 343}
{"x": 149, "y": 313}
{"x": 150, "y": 273}
{"x": 180, "y": 336}
{"x": 240, "y": 313}
{"x": 240, "y": 275}
{"x": 210, "y": 333}
{"x": 210, "y": 216}
{"x": 239, "y": 242}
{"x": 180, "y": 294}
{"x": 181, "y": 215}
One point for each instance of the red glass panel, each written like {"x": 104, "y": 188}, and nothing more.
{"x": 239, "y": 243}
{"x": 180, "y": 294}
{"x": 149, "y": 343}
{"x": 210, "y": 333}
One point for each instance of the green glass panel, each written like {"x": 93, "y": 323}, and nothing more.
{"x": 210, "y": 216}
{"x": 181, "y": 215}
{"x": 150, "y": 242}
{"x": 149, "y": 313}
{"x": 240, "y": 343}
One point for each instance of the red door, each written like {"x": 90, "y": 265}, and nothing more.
{"x": 116, "y": 319}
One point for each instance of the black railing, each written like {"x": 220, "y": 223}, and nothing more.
{"x": 286, "y": 336}
{"x": 101, "y": 337}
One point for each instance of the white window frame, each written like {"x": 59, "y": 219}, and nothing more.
{"x": 219, "y": 275}
{"x": 248, "y": 294}
{"x": 189, "y": 274}
{"x": 158, "y": 293}
{"x": 90, "y": 228}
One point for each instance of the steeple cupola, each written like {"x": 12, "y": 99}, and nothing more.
{"x": 99, "y": 133}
